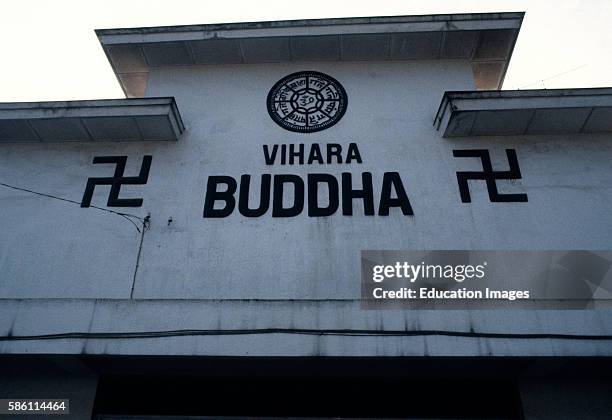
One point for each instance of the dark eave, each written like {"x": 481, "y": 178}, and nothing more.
{"x": 525, "y": 112}
{"x": 145, "y": 119}
{"x": 485, "y": 39}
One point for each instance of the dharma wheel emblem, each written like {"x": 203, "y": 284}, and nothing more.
{"x": 307, "y": 101}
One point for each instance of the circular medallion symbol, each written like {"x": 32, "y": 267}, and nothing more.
{"x": 307, "y": 101}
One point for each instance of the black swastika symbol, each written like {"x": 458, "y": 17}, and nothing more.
{"x": 116, "y": 181}
{"x": 489, "y": 175}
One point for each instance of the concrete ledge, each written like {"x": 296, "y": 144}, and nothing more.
{"x": 146, "y": 119}
{"x": 525, "y": 112}
{"x": 485, "y": 39}
{"x": 19, "y": 317}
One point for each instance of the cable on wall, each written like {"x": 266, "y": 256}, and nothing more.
{"x": 126, "y": 216}
{"x": 304, "y": 331}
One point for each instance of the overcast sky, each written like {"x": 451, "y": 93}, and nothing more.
{"x": 49, "y": 50}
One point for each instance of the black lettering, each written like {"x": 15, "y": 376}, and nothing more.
{"x": 315, "y": 154}
{"x": 299, "y": 154}
{"x": 313, "y": 198}
{"x": 353, "y": 153}
{"x": 270, "y": 158}
{"x": 348, "y": 194}
{"x": 264, "y": 200}
{"x": 334, "y": 149}
{"x": 393, "y": 179}
{"x": 298, "y": 196}
{"x": 212, "y": 195}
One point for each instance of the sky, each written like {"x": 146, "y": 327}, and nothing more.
{"x": 49, "y": 50}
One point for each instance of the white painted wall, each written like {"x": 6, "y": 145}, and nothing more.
{"x": 53, "y": 250}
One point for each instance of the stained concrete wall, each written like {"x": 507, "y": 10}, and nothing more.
{"x": 64, "y": 268}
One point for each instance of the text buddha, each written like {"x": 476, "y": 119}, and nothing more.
{"x": 225, "y": 193}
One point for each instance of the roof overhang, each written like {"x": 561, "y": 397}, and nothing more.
{"x": 525, "y": 112}
{"x": 485, "y": 39}
{"x": 96, "y": 120}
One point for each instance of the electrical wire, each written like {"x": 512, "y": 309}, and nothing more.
{"x": 553, "y": 76}
{"x": 145, "y": 227}
{"x": 126, "y": 216}
{"x": 303, "y": 331}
